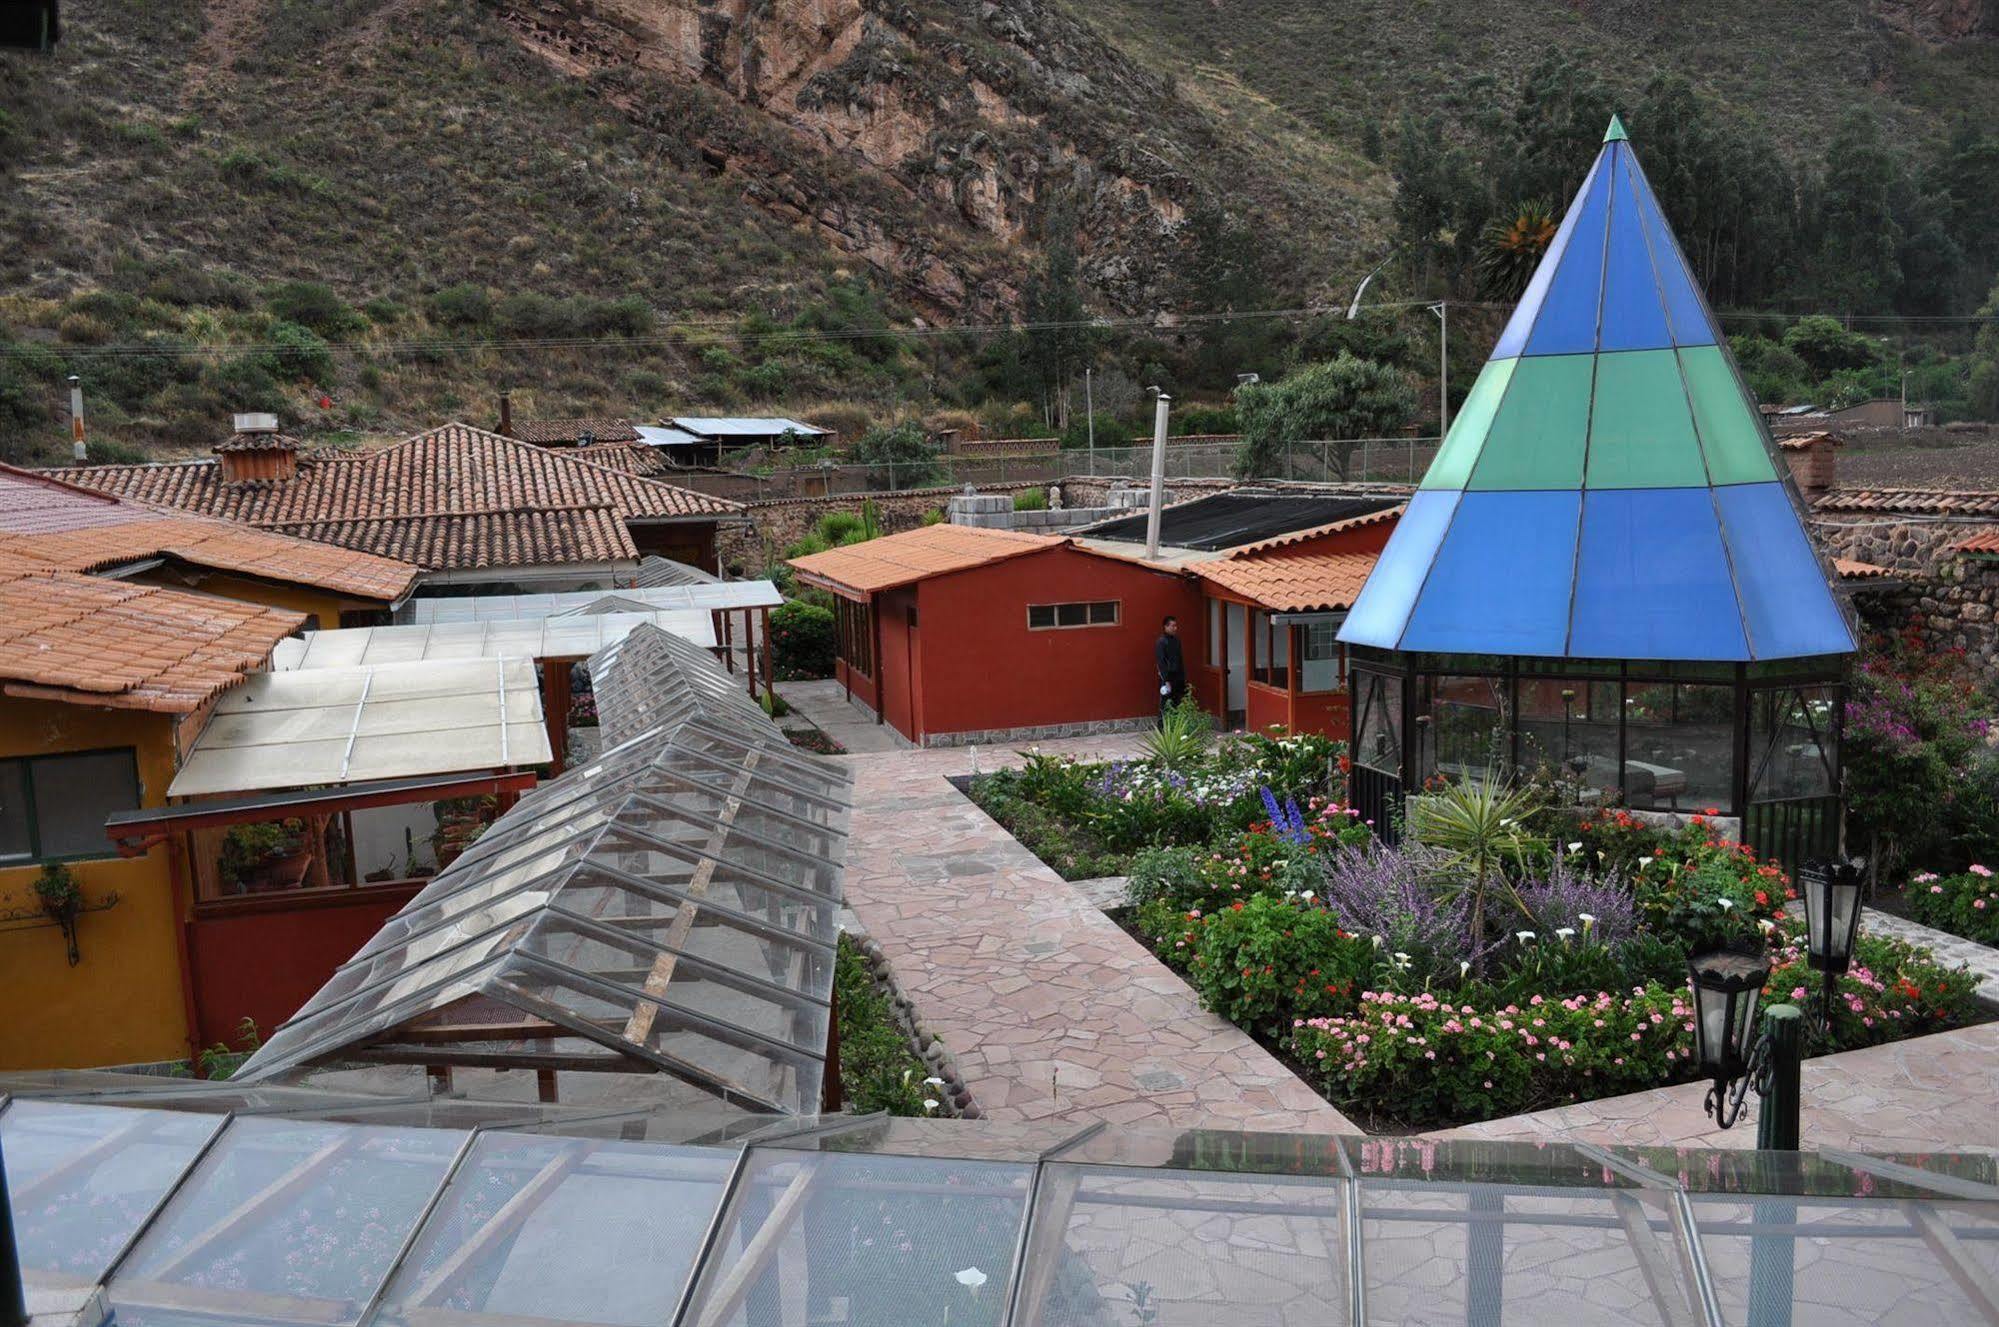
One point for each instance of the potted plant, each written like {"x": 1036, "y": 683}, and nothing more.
{"x": 61, "y": 898}
{"x": 270, "y": 855}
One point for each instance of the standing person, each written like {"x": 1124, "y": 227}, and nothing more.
{"x": 1172, "y": 667}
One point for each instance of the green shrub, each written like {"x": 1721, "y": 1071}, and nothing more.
{"x": 314, "y": 305}
{"x": 299, "y": 352}
{"x": 1264, "y": 961}
{"x": 803, "y": 641}
{"x": 878, "y": 1070}
{"x": 463, "y": 305}
{"x": 1965, "y": 904}
{"x": 1031, "y": 499}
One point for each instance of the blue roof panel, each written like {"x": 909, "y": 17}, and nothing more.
{"x": 1784, "y": 587}
{"x": 1692, "y": 325}
{"x": 1634, "y": 310}
{"x": 1465, "y": 609}
{"x": 1513, "y": 341}
{"x": 1382, "y": 610}
{"x": 1566, "y": 321}
{"x": 1652, "y": 579}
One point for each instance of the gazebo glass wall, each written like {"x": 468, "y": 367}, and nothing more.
{"x": 1759, "y": 742}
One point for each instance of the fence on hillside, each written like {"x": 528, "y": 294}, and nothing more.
{"x": 1378, "y": 460}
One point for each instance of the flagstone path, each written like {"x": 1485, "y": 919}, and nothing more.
{"x": 1050, "y": 1010}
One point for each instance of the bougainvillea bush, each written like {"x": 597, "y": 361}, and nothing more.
{"x": 1965, "y": 904}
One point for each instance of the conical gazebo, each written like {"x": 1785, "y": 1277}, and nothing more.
{"x": 1605, "y": 574}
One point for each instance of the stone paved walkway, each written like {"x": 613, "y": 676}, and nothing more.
{"x": 1050, "y": 1010}
{"x": 1932, "y": 1094}
{"x": 825, "y": 703}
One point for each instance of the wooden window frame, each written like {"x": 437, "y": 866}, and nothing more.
{"x": 1089, "y": 607}
{"x": 1339, "y": 656}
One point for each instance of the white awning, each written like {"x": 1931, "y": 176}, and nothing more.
{"x": 576, "y": 637}
{"x": 659, "y": 598}
{"x": 326, "y": 726}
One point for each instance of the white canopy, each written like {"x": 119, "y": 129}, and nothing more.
{"x": 658, "y": 598}
{"x": 350, "y": 725}
{"x": 544, "y": 638}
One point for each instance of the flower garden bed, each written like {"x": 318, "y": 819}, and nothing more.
{"x": 1509, "y": 959}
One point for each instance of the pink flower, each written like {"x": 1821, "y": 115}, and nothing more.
{"x": 1983, "y": 872}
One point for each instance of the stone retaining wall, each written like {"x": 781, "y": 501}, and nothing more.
{"x": 1951, "y": 597}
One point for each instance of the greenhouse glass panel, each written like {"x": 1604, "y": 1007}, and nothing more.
{"x": 1541, "y": 430}
{"x": 562, "y": 1229}
{"x": 284, "y": 1220}
{"x": 1467, "y": 439}
{"x": 886, "y": 1241}
{"x": 1378, "y": 726}
{"x": 1570, "y": 726}
{"x": 1465, "y": 606}
{"x": 1468, "y": 733}
{"x": 1679, "y": 751}
{"x": 1489, "y": 1253}
{"x": 1185, "y": 1249}
{"x": 83, "y": 1179}
{"x": 1793, "y": 743}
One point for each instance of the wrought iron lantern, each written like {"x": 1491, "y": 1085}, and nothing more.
{"x": 1727, "y": 986}
{"x": 1831, "y": 891}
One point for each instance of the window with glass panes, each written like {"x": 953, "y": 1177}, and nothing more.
{"x": 854, "y": 627}
{"x": 1272, "y": 662}
{"x": 1322, "y": 664}
{"x": 1050, "y": 617}
{"x": 54, "y": 807}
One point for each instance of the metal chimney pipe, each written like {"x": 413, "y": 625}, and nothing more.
{"x": 1161, "y": 409}
{"x": 77, "y": 450}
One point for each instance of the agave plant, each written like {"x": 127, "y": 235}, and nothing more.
{"x": 1181, "y": 738}
{"x": 1511, "y": 248}
{"x": 1478, "y": 830}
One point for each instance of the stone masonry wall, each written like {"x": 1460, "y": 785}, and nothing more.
{"x": 1952, "y": 598}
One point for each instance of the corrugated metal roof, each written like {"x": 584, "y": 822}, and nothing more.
{"x": 1234, "y": 519}
{"x": 664, "y": 436}
{"x": 728, "y": 426}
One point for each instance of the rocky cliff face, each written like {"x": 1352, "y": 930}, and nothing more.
{"x": 931, "y": 138}
{"x": 1940, "y": 22}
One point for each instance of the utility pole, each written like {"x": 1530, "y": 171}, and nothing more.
{"x": 1160, "y": 411}
{"x": 1090, "y": 417}
{"x": 1444, "y": 368}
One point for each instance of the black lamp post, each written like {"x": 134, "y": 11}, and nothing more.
{"x": 1727, "y": 985}
{"x": 1831, "y": 892}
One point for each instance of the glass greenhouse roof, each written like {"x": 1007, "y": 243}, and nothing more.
{"x": 188, "y": 1218}
{"x": 671, "y": 906}
{"x": 1608, "y": 489}
{"x": 382, "y": 721}
{"x": 703, "y": 597}
{"x": 568, "y": 637}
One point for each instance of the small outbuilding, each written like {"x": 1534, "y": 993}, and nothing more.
{"x": 955, "y": 634}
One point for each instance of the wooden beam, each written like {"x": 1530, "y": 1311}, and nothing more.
{"x": 420, "y": 1034}
{"x": 502, "y": 1224}
{"x": 443, "y": 1058}
{"x": 645, "y": 1012}
{"x": 728, "y": 1295}
{"x": 265, "y": 1198}
{"x": 1976, "y": 1282}
{"x": 249, "y": 1306}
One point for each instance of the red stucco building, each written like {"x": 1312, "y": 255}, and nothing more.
{"x": 956, "y": 634}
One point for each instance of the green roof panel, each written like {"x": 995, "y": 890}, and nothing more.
{"x": 1641, "y": 431}
{"x": 1468, "y": 431}
{"x": 1731, "y": 435}
{"x": 1538, "y": 433}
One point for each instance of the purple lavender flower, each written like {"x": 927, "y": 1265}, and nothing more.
{"x": 1565, "y": 897}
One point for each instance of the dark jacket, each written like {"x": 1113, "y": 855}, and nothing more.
{"x": 1166, "y": 657}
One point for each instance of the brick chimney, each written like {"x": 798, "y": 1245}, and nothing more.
{"x": 257, "y": 453}
{"x": 1813, "y": 460}
{"x": 506, "y": 414}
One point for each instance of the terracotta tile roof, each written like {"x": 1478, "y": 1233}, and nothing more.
{"x": 259, "y": 442}
{"x": 1797, "y": 442}
{"x": 85, "y": 640}
{"x": 634, "y": 458}
{"x": 457, "y": 478}
{"x": 558, "y": 432}
{"x": 58, "y": 527}
{"x": 1913, "y": 501}
{"x": 1985, "y": 542}
{"x": 1316, "y": 532}
{"x": 914, "y": 555}
{"x": 1309, "y": 583}
{"x": 1850, "y": 569}
{"x": 469, "y": 540}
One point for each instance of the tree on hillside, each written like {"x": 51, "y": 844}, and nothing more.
{"x": 1826, "y": 346}
{"x": 906, "y": 457}
{"x": 1337, "y": 402}
{"x": 1057, "y": 344}
{"x": 1859, "y": 266}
